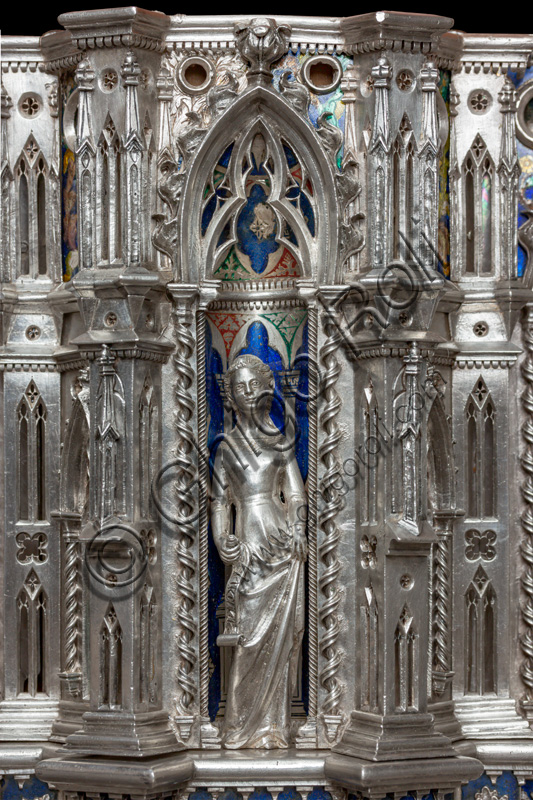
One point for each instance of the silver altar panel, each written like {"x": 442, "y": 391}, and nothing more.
{"x": 337, "y": 211}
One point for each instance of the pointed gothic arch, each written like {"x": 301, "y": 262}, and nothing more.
{"x": 404, "y": 174}
{"x": 32, "y": 623}
{"x": 108, "y": 191}
{"x": 148, "y": 442}
{"x": 369, "y": 647}
{"x": 480, "y": 453}
{"x": 478, "y": 172}
{"x": 74, "y": 480}
{"x": 32, "y": 493}
{"x": 480, "y": 635}
{"x": 35, "y": 184}
{"x": 148, "y": 643}
{"x": 441, "y": 469}
{"x": 259, "y": 109}
{"x": 110, "y": 660}
{"x": 406, "y": 657}
{"x": 369, "y": 450}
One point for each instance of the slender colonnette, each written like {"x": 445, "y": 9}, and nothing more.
{"x": 184, "y": 484}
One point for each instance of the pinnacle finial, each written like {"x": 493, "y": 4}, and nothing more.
{"x": 85, "y": 75}
{"x": 130, "y": 69}
{"x": 261, "y": 41}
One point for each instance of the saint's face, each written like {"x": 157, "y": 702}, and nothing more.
{"x": 250, "y": 390}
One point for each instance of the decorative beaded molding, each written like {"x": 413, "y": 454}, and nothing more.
{"x": 400, "y": 352}
{"x": 59, "y": 64}
{"x": 233, "y": 305}
{"x": 24, "y": 366}
{"x": 124, "y": 40}
{"x": 23, "y": 66}
{"x": 479, "y": 363}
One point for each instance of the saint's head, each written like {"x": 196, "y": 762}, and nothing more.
{"x": 249, "y": 385}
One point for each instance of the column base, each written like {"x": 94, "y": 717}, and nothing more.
{"x": 375, "y": 780}
{"x": 476, "y": 717}
{"x": 34, "y": 717}
{"x": 116, "y": 733}
{"x": 307, "y": 735}
{"x": 445, "y": 720}
{"x": 209, "y": 735}
{"x": 69, "y": 719}
{"x": 393, "y": 738}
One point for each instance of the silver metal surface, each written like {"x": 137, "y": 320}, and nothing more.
{"x": 367, "y": 570}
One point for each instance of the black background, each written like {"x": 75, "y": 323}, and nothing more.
{"x": 17, "y": 18}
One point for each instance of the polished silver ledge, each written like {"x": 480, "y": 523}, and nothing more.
{"x": 145, "y": 778}
{"x": 374, "y": 779}
{"x": 19, "y": 758}
{"x": 501, "y": 755}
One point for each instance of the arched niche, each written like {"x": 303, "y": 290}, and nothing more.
{"x": 441, "y": 471}
{"x": 260, "y": 109}
{"x": 74, "y": 480}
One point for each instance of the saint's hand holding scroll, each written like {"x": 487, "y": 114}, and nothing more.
{"x": 256, "y": 472}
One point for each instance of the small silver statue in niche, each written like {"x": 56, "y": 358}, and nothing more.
{"x": 256, "y": 473}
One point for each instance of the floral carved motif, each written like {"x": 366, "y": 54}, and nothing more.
{"x": 480, "y": 545}
{"x": 32, "y": 548}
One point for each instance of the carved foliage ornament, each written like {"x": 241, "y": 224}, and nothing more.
{"x": 261, "y": 42}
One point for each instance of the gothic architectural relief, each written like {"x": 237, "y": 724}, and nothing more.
{"x": 266, "y": 370}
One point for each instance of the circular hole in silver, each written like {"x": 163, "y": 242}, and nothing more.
{"x": 528, "y": 115}
{"x": 195, "y": 75}
{"x": 524, "y": 114}
{"x": 321, "y": 74}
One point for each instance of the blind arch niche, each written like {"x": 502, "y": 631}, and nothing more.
{"x": 260, "y": 111}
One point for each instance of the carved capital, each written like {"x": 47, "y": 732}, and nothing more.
{"x": 184, "y": 296}
{"x": 130, "y": 70}
{"x": 85, "y": 76}
{"x": 429, "y": 77}
{"x": 261, "y": 41}
{"x": 382, "y": 74}
{"x": 507, "y": 98}
{"x": 349, "y": 85}
{"x": 164, "y": 83}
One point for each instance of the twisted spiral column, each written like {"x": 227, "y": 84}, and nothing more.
{"x": 72, "y": 607}
{"x": 203, "y": 499}
{"x": 442, "y": 611}
{"x": 526, "y": 547}
{"x": 328, "y": 613}
{"x": 312, "y": 483}
{"x": 184, "y": 491}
